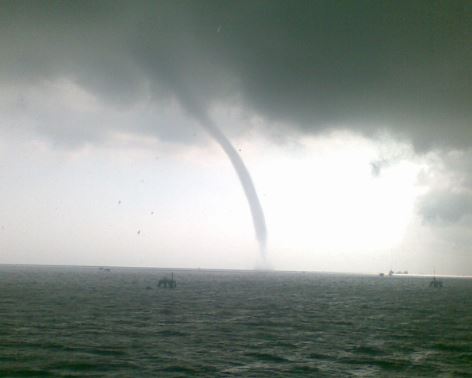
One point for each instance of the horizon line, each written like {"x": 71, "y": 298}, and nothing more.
{"x": 418, "y": 275}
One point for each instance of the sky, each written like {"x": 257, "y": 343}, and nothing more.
{"x": 350, "y": 122}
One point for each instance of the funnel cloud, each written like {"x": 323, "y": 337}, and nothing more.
{"x": 247, "y": 184}
{"x": 194, "y": 107}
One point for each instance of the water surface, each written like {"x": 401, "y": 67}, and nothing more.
{"x": 66, "y": 321}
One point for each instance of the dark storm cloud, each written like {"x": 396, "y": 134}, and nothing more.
{"x": 402, "y": 65}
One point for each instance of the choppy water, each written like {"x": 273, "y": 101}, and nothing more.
{"x": 82, "y": 321}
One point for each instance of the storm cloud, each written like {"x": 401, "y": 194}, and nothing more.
{"x": 401, "y": 66}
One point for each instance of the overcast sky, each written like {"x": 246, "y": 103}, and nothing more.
{"x": 354, "y": 119}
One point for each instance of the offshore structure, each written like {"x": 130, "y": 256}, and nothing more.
{"x": 435, "y": 283}
{"x": 168, "y": 283}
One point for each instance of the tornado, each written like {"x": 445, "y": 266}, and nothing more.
{"x": 191, "y": 103}
{"x": 246, "y": 182}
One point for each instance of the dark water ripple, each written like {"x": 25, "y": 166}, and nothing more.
{"x": 59, "y": 321}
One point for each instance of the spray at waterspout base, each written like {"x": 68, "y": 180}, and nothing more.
{"x": 263, "y": 262}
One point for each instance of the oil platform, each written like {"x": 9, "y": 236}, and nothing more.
{"x": 168, "y": 283}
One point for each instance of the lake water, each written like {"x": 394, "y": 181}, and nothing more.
{"x": 66, "y": 321}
